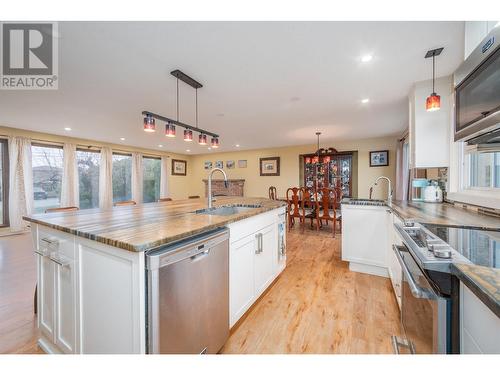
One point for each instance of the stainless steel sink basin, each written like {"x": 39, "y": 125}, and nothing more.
{"x": 226, "y": 210}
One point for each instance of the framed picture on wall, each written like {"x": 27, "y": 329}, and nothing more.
{"x": 270, "y": 166}
{"x": 179, "y": 167}
{"x": 219, "y": 164}
{"x": 208, "y": 165}
{"x": 230, "y": 164}
{"x": 242, "y": 163}
{"x": 379, "y": 158}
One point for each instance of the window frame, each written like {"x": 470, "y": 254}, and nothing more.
{"x": 120, "y": 153}
{"x": 95, "y": 151}
{"x": 5, "y": 182}
{"x": 159, "y": 182}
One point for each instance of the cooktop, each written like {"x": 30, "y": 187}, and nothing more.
{"x": 478, "y": 246}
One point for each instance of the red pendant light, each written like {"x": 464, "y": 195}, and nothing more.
{"x": 433, "y": 102}
{"x": 170, "y": 130}
{"x": 202, "y": 139}
{"x": 188, "y": 135}
{"x": 215, "y": 142}
{"x": 149, "y": 124}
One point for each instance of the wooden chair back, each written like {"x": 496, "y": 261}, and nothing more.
{"x": 165, "y": 200}
{"x": 293, "y": 200}
{"x": 272, "y": 193}
{"x": 124, "y": 203}
{"x": 327, "y": 204}
{"x": 61, "y": 209}
{"x": 193, "y": 196}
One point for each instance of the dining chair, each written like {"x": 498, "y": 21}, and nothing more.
{"x": 328, "y": 207}
{"x": 309, "y": 206}
{"x": 193, "y": 196}
{"x": 124, "y": 203}
{"x": 293, "y": 206}
{"x": 272, "y": 193}
{"x": 61, "y": 209}
{"x": 165, "y": 200}
{"x": 48, "y": 211}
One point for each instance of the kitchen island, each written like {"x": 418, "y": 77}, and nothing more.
{"x": 92, "y": 286}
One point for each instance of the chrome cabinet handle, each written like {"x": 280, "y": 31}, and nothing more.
{"x": 59, "y": 260}
{"x": 258, "y": 237}
{"x": 415, "y": 289}
{"x": 42, "y": 254}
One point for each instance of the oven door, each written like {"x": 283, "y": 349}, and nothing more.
{"x": 423, "y": 311}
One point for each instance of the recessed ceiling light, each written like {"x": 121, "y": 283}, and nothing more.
{"x": 188, "y": 150}
{"x": 366, "y": 58}
{"x": 160, "y": 145}
{"x": 122, "y": 139}
{"x": 237, "y": 145}
{"x": 210, "y": 149}
{"x": 67, "y": 129}
{"x": 364, "y": 101}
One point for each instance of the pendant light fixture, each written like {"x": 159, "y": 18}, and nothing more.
{"x": 170, "y": 126}
{"x": 433, "y": 102}
{"x": 149, "y": 124}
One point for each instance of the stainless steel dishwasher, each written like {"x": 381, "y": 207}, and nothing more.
{"x": 188, "y": 295}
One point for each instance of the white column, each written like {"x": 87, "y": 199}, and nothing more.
{"x": 164, "y": 173}
{"x": 106, "y": 179}
{"x": 20, "y": 182}
{"x": 70, "y": 192}
{"x": 137, "y": 177}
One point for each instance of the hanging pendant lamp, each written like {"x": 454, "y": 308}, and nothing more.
{"x": 149, "y": 124}
{"x": 433, "y": 102}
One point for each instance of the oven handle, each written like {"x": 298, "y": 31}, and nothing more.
{"x": 415, "y": 289}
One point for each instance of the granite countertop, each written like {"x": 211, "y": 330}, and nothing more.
{"x": 444, "y": 214}
{"x": 146, "y": 226}
{"x": 484, "y": 282}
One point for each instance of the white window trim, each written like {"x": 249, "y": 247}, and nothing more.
{"x": 458, "y": 192}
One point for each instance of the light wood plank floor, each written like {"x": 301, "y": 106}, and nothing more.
{"x": 316, "y": 306}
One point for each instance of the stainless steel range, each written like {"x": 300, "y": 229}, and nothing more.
{"x": 430, "y": 293}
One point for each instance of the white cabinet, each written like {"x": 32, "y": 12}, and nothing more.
{"x": 479, "y": 326}
{"x": 365, "y": 238}
{"x": 393, "y": 266}
{"x": 255, "y": 260}
{"x": 475, "y": 32}
{"x": 429, "y": 132}
{"x": 57, "y": 290}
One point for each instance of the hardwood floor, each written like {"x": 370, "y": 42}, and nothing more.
{"x": 18, "y": 332}
{"x": 316, "y": 306}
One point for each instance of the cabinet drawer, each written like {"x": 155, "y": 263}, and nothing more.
{"x": 59, "y": 244}
{"x": 246, "y": 227}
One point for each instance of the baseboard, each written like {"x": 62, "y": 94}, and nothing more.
{"x": 47, "y": 346}
{"x": 369, "y": 269}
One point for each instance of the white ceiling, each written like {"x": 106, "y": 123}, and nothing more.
{"x": 265, "y": 84}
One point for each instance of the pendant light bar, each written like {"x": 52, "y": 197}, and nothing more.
{"x": 181, "y": 124}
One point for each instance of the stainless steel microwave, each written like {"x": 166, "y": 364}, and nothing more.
{"x": 477, "y": 93}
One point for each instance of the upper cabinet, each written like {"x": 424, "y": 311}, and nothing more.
{"x": 429, "y": 132}
{"x": 475, "y": 32}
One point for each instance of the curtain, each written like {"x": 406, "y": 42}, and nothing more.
{"x": 402, "y": 171}
{"x": 70, "y": 192}
{"x": 20, "y": 182}
{"x": 106, "y": 179}
{"x": 137, "y": 177}
{"x": 164, "y": 173}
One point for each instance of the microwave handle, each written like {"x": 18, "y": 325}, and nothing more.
{"x": 415, "y": 289}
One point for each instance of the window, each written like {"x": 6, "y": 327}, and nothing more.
{"x": 88, "y": 177}
{"x": 484, "y": 170}
{"x": 122, "y": 177}
{"x": 4, "y": 183}
{"x": 47, "y": 175}
{"x": 151, "y": 171}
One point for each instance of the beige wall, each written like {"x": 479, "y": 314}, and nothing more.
{"x": 257, "y": 186}
{"x": 177, "y": 184}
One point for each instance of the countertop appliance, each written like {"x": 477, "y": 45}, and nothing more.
{"x": 433, "y": 193}
{"x": 188, "y": 295}
{"x": 477, "y": 93}
{"x": 418, "y": 185}
{"x": 430, "y": 293}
